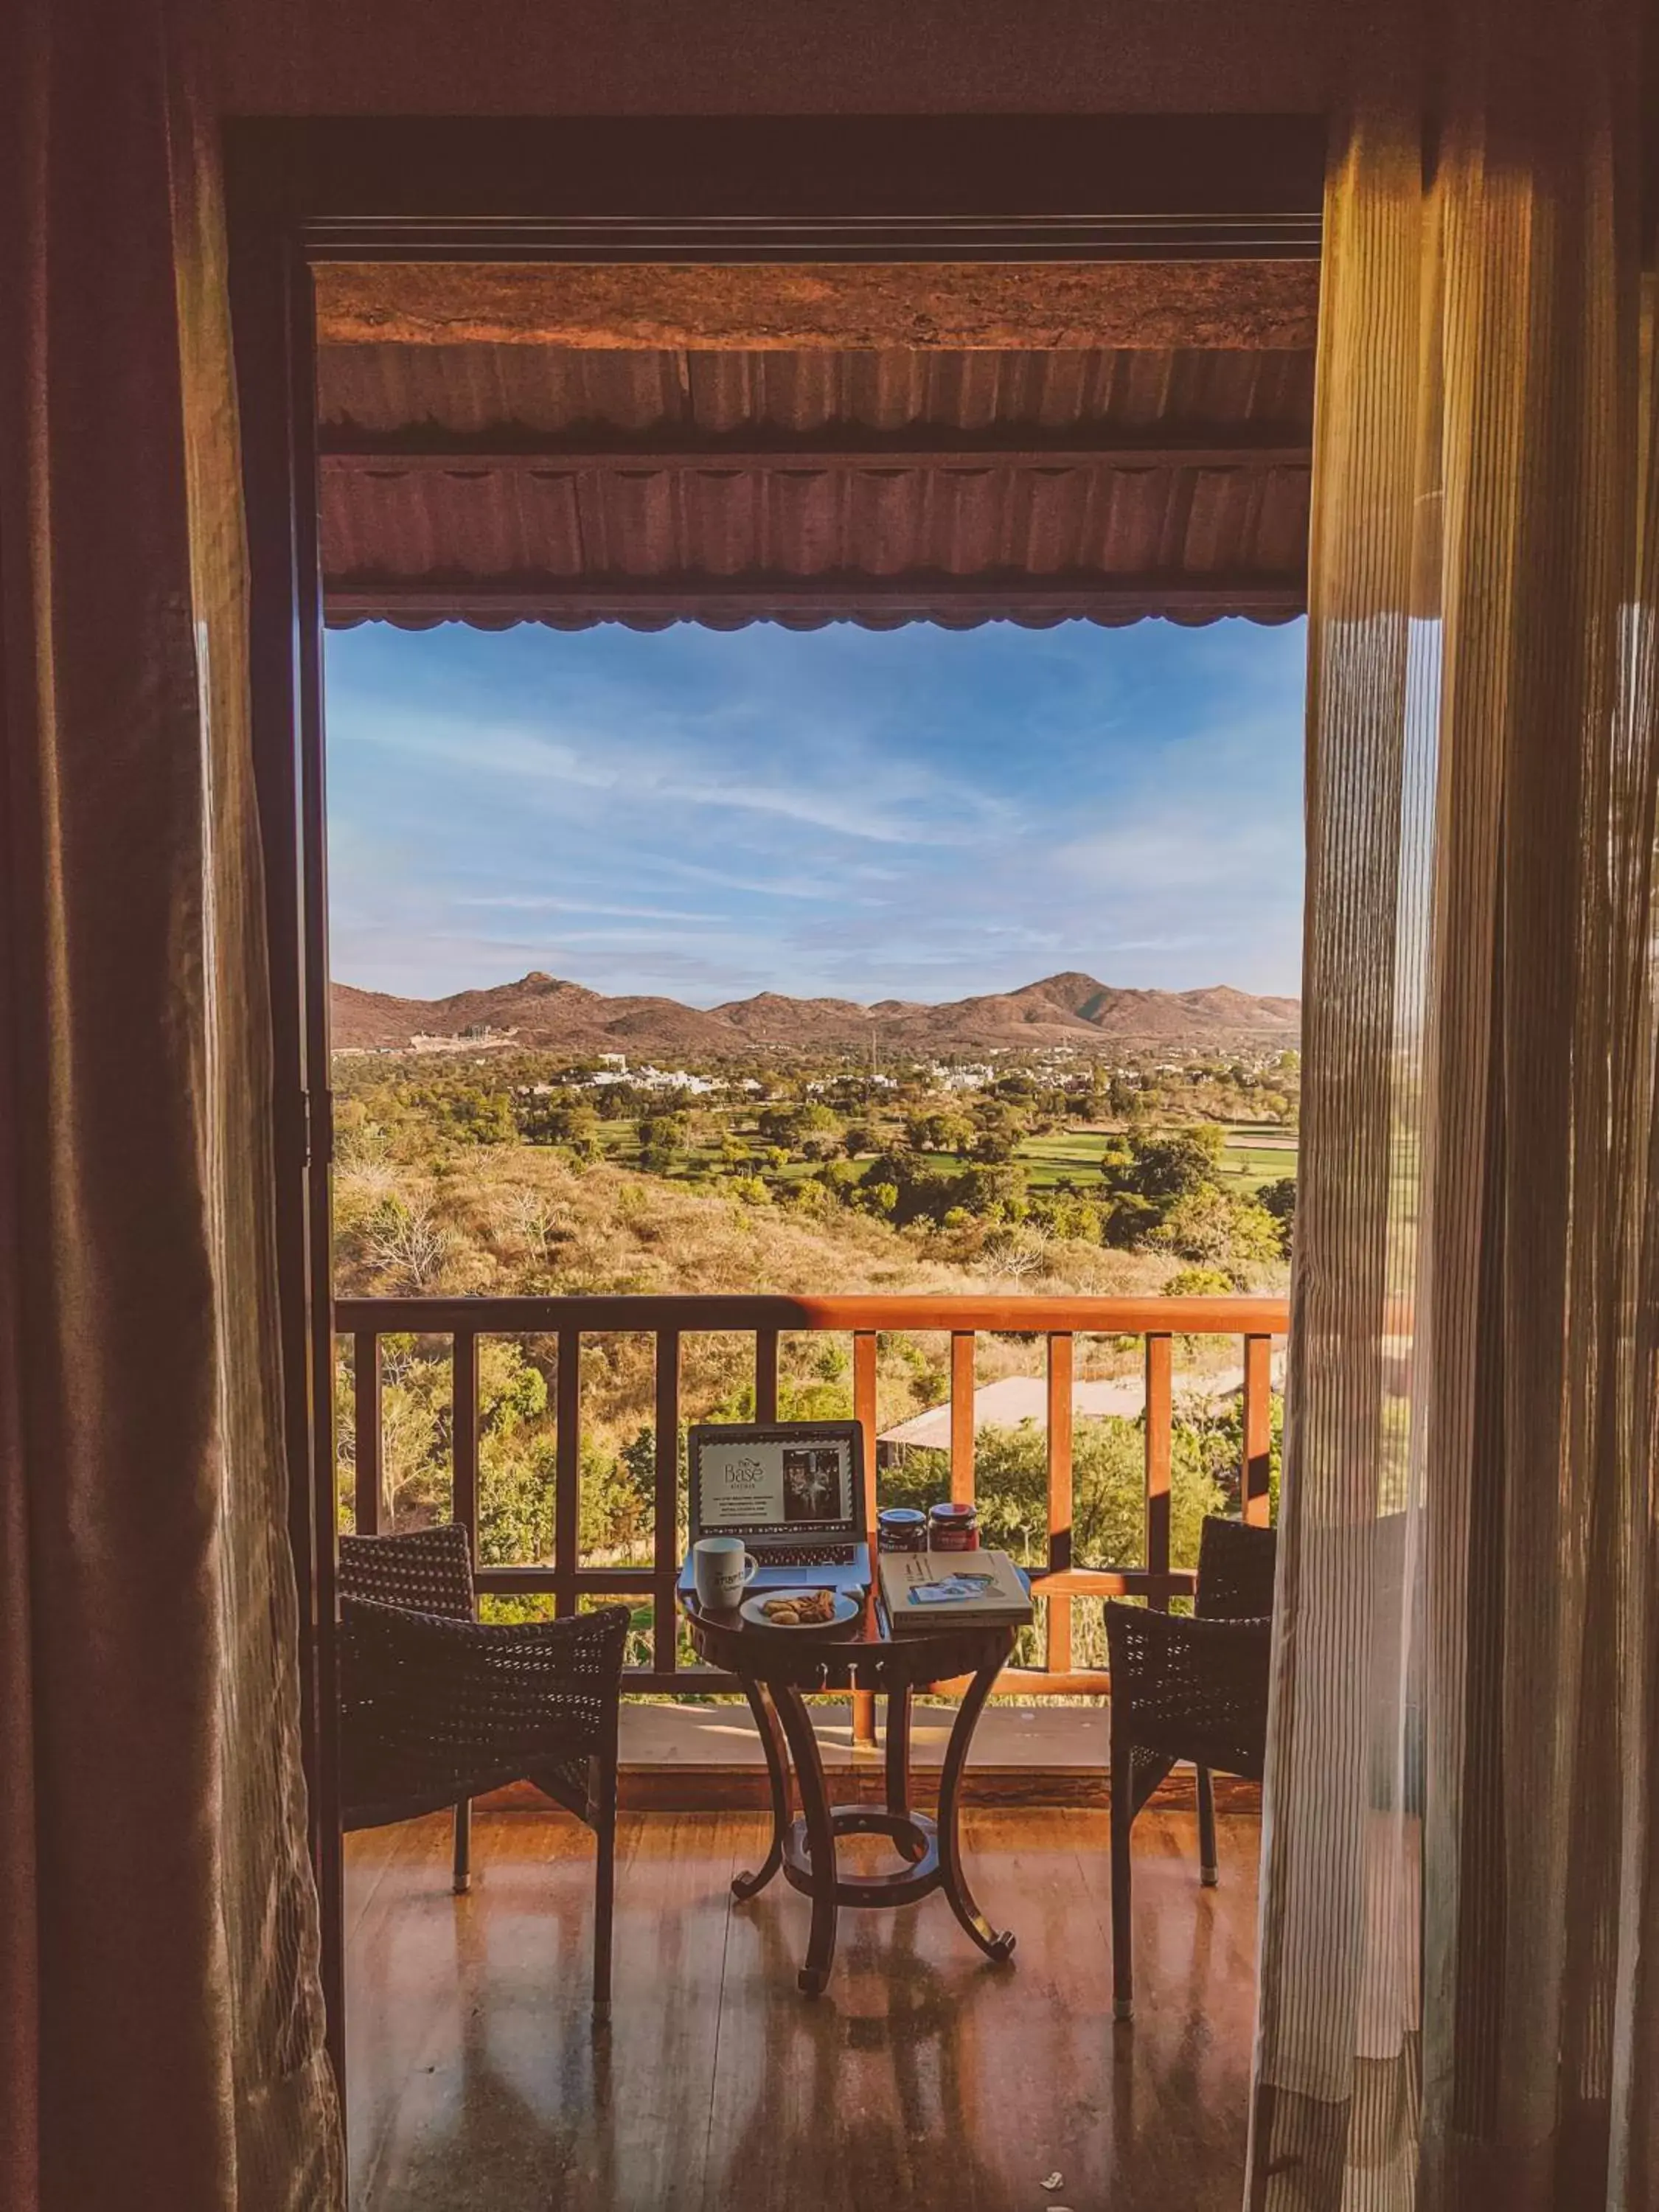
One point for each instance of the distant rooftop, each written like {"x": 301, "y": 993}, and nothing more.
{"x": 1018, "y": 1398}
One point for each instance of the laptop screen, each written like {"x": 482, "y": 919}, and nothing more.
{"x": 800, "y": 1481}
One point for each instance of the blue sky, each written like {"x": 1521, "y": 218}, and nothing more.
{"x": 917, "y": 813}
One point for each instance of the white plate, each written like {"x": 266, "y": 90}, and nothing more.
{"x": 847, "y": 1609}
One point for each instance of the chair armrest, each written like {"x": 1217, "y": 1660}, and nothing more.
{"x": 1190, "y": 1688}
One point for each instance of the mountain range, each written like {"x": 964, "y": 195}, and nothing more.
{"x": 1070, "y": 1009}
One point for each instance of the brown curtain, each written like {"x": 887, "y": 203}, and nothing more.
{"x": 161, "y": 2030}
{"x": 1460, "y": 1965}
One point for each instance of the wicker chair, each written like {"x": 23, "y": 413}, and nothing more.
{"x": 1188, "y": 1687}
{"x": 437, "y": 1707}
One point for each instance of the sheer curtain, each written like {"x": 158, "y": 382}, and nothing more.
{"x": 1460, "y": 1958}
{"x": 161, "y": 2022}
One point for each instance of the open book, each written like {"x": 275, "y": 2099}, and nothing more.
{"x": 924, "y": 1590}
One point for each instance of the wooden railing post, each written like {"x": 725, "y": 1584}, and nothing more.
{"x": 766, "y": 1375}
{"x": 366, "y": 1424}
{"x": 463, "y": 1426}
{"x": 1256, "y": 1476}
{"x": 962, "y": 1416}
{"x": 567, "y": 1469}
{"x": 1160, "y": 1445}
{"x": 864, "y": 1412}
{"x": 665, "y": 1512}
{"x": 1057, "y": 1643}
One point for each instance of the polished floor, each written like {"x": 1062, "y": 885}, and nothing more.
{"x": 925, "y": 2080}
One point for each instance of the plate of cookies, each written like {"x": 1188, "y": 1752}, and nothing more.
{"x": 819, "y": 1609}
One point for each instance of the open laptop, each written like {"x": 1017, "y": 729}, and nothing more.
{"x": 793, "y": 1489}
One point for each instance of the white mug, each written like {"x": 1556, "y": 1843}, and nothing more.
{"x": 722, "y": 1569}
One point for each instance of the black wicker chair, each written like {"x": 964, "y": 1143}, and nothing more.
{"x": 437, "y": 1707}
{"x": 1189, "y": 1687}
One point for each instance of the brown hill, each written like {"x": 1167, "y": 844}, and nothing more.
{"x": 771, "y": 1019}
{"x": 549, "y": 1013}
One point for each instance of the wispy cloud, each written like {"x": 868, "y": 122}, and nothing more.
{"x": 539, "y": 902}
{"x": 857, "y": 795}
{"x": 918, "y": 814}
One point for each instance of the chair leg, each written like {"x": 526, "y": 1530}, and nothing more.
{"x": 602, "y": 1792}
{"x": 1208, "y": 1873}
{"x": 463, "y": 1847}
{"x": 1123, "y": 1987}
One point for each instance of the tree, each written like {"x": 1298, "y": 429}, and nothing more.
{"x": 662, "y": 1143}
{"x": 998, "y": 1130}
{"x": 480, "y": 1117}
{"x": 404, "y": 1241}
{"x": 1278, "y": 1200}
{"x": 1167, "y": 1164}
{"x": 938, "y": 1131}
{"x": 817, "y": 1134}
{"x": 1129, "y": 1219}
{"x": 1063, "y": 1213}
{"x": 1109, "y": 1493}
{"x": 1209, "y": 1226}
{"x": 995, "y": 1192}
{"x": 858, "y": 1138}
{"x": 809, "y": 1131}
{"x": 564, "y": 1120}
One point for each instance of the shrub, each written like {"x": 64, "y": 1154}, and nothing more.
{"x": 1207, "y": 1225}
{"x": 1198, "y": 1283}
{"x": 1109, "y": 1508}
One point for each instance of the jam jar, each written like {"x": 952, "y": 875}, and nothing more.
{"x": 953, "y": 1528}
{"x": 901, "y": 1528}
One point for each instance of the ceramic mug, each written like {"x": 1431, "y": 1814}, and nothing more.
{"x": 722, "y": 1569}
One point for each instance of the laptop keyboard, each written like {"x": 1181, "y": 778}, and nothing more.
{"x": 806, "y": 1555}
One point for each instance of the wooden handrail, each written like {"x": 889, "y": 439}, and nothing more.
{"x": 668, "y": 1318}
{"x": 1006, "y": 1314}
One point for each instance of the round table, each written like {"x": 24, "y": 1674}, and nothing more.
{"x": 777, "y": 1666}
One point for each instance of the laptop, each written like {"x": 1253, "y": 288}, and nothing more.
{"x": 793, "y": 1489}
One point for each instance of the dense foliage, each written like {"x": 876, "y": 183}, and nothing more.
{"x": 506, "y": 1175}
{"x": 1135, "y": 1166}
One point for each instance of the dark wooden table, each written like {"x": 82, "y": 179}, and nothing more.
{"x": 777, "y": 1667}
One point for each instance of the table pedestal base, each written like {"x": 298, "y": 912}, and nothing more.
{"x": 803, "y": 1850}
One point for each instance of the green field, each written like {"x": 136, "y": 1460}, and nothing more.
{"x": 1256, "y": 1153}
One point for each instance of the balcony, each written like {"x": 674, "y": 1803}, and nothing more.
{"x": 476, "y": 2075}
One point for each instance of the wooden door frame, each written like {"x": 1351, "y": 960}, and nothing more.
{"x": 703, "y": 189}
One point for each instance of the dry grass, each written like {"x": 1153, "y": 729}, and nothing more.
{"x": 518, "y": 1220}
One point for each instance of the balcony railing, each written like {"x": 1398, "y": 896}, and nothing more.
{"x": 668, "y": 1320}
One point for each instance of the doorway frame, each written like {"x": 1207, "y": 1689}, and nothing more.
{"x": 708, "y": 189}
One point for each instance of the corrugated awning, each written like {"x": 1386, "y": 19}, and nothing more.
{"x": 497, "y": 482}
